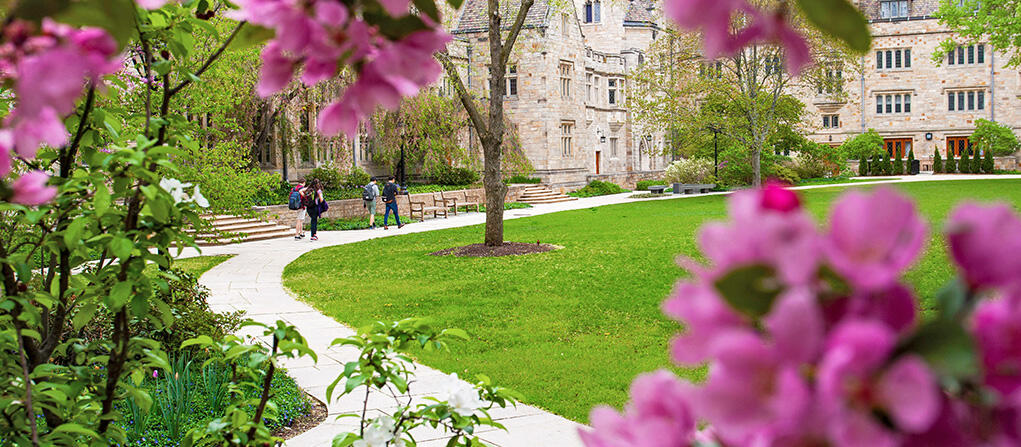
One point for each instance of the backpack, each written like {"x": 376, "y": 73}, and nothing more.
{"x": 367, "y": 193}
{"x": 294, "y": 201}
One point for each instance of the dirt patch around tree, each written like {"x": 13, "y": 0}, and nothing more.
{"x": 315, "y": 416}
{"x": 507, "y": 249}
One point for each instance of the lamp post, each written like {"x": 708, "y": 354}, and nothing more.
{"x": 716, "y": 151}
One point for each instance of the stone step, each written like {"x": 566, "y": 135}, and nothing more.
{"x": 550, "y": 200}
{"x": 243, "y": 226}
{"x": 539, "y": 195}
{"x": 289, "y": 232}
{"x": 266, "y": 228}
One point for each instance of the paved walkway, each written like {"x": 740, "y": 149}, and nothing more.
{"x": 251, "y": 281}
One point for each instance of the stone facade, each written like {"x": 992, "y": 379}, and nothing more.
{"x": 567, "y": 81}
{"x": 900, "y": 68}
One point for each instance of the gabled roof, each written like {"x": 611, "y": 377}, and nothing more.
{"x": 640, "y": 12}
{"x": 474, "y": 17}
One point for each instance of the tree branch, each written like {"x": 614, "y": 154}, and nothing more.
{"x": 519, "y": 22}
{"x": 462, "y": 93}
{"x": 212, "y": 58}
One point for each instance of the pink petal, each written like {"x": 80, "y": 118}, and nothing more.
{"x": 908, "y": 391}
{"x": 30, "y": 189}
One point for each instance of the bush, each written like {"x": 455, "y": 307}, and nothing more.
{"x": 951, "y": 166}
{"x": 937, "y": 163}
{"x": 598, "y": 188}
{"x": 863, "y": 168}
{"x": 911, "y": 161}
{"x": 964, "y": 164}
{"x": 887, "y": 165}
{"x": 449, "y": 175}
{"x": 785, "y": 174}
{"x": 357, "y": 178}
{"x": 643, "y": 185}
{"x": 328, "y": 175}
{"x": 898, "y": 165}
{"x": 987, "y": 164}
{"x": 976, "y": 164}
{"x": 225, "y": 177}
{"x": 995, "y": 137}
{"x": 518, "y": 178}
{"x": 818, "y": 160}
{"x": 863, "y": 146}
{"x": 690, "y": 171}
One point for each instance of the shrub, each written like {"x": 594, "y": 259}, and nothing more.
{"x": 863, "y": 167}
{"x": 518, "y": 178}
{"x": 876, "y": 166}
{"x": 987, "y": 164}
{"x": 818, "y": 160}
{"x": 995, "y": 137}
{"x": 976, "y": 163}
{"x": 951, "y": 166}
{"x": 225, "y": 177}
{"x": 911, "y": 161}
{"x": 937, "y": 163}
{"x": 785, "y": 174}
{"x": 598, "y": 188}
{"x": 964, "y": 164}
{"x": 328, "y": 175}
{"x": 885, "y": 167}
{"x": 691, "y": 171}
{"x": 643, "y": 185}
{"x": 863, "y": 146}
{"x": 357, "y": 178}
{"x": 449, "y": 175}
{"x": 898, "y": 165}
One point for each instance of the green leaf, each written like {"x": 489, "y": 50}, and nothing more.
{"x": 428, "y": 7}
{"x": 456, "y": 333}
{"x": 75, "y": 428}
{"x": 951, "y": 299}
{"x": 73, "y": 233}
{"x": 84, "y": 315}
{"x": 839, "y": 19}
{"x": 946, "y": 346}
{"x": 354, "y": 382}
{"x": 119, "y": 295}
{"x": 102, "y": 199}
{"x": 750, "y": 290}
{"x": 117, "y": 17}
{"x": 121, "y": 247}
{"x": 250, "y": 36}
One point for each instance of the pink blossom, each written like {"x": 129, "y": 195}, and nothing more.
{"x": 893, "y": 306}
{"x": 773, "y": 28}
{"x": 151, "y": 4}
{"x": 276, "y": 72}
{"x": 997, "y": 330}
{"x": 658, "y": 415}
{"x": 395, "y": 8}
{"x": 30, "y": 189}
{"x": 873, "y": 237}
{"x": 796, "y": 326}
{"x": 787, "y": 240}
{"x": 985, "y": 240}
{"x": 854, "y": 383}
{"x": 713, "y": 17}
{"x": 752, "y": 395}
{"x": 777, "y": 198}
{"x": 6, "y": 145}
{"x": 30, "y": 133}
{"x": 705, "y": 315}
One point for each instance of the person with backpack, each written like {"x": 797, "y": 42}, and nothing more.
{"x": 369, "y": 194}
{"x": 296, "y": 202}
{"x": 390, "y": 199}
{"x": 314, "y": 204}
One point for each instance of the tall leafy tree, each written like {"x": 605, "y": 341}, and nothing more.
{"x": 491, "y": 129}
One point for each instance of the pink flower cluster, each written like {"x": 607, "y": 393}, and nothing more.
{"x": 809, "y": 348}
{"x": 715, "y": 18}
{"x": 319, "y": 37}
{"x": 48, "y": 67}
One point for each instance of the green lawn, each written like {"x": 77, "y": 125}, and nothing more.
{"x": 200, "y": 264}
{"x": 572, "y": 327}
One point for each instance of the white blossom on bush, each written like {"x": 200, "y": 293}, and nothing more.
{"x": 462, "y": 397}
{"x": 176, "y": 189}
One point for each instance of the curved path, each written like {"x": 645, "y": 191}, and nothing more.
{"x": 251, "y": 281}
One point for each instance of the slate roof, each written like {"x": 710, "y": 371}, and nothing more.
{"x": 640, "y": 11}
{"x": 474, "y": 18}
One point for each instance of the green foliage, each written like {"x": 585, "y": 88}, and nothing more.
{"x": 937, "y": 163}
{"x": 784, "y": 174}
{"x": 643, "y": 185}
{"x": 898, "y": 165}
{"x": 887, "y": 167}
{"x": 690, "y": 171}
{"x": 995, "y": 137}
{"x": 863, "y": 167}
{"x": 951, "y": 166}
{"x": 911, "y": 161}
{"x": 964, "y": 164}
{"x": 976, "y": 163}
{"x": 450, "y": 175}
{"x": 357, "y": 178}
{"x": 225, "y": 176}
{"x": 518, "y": 178}
{"x": 598, "y": 188}
{"x": 328, "y": 175}
{"x": 426, "y": 127}
{"x": 352, "y": 223}
{"x": 994, "y": 22}
{"x": 988, "y": 166}
{"x": 863, "y": 146}
{"x": 816, "y": 160}
{"x": 839, "y": 19}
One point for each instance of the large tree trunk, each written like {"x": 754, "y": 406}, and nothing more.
{"x": 492, "y": 143}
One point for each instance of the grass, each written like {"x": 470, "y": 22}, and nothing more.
{"x": 836, "y": 181}
{"x": 570, "y": 328}
{"x": 199, "y": 264}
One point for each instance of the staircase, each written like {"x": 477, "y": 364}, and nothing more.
{"x": 538, "y": 194}
{"x": 234, "y": 229}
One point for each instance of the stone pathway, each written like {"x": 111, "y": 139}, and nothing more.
{"x": 251, "y": 281}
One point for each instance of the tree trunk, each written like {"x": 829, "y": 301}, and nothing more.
{"x": 757, "y": 166}
{"x": 496, "y": 191}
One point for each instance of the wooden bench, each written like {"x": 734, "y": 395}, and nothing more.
{"x": 460, "y": 198}
{"x": 657, "y": 189}
{"x": 685, "y": 188}
{"x": 432, "y": 203}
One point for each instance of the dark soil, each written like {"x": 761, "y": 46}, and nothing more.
{"x": 507, "y": 249}
{"x": 315, "y": 416}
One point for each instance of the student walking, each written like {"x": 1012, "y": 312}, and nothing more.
{"x": 314, "y": 195}
{"x": 369, "y": 194}
{"x": 390, "y": 199}
{"x": 296, "y": 202}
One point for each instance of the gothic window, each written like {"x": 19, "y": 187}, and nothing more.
{"x": 565, "y": 80}
{"x": 611, "y": 88}
{"x": 566, "y": 146}
{"x": 896, "y": 9}
{"x": 512, "y": 80}
{"x": 593, "y": 10}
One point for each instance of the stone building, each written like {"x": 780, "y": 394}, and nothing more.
{"x": 913, "y": 101}
{"x": 566, "y": 87}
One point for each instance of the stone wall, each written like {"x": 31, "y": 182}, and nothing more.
{"x": 350, "y": 208}
{"x": 628, "y": 180}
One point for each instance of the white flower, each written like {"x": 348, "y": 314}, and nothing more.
{"x": 199, "y": 199}
{"x": 378, "y": 433}
{"x": 462, "y": 397}
{"x": 175, "y": 188}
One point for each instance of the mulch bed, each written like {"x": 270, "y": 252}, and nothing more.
{"x": 310, "y": 420}
{"x": 507, "y": 249}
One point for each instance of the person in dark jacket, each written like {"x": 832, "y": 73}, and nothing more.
{"x": 390, "y": 199}
{"x": 314, "y": 195}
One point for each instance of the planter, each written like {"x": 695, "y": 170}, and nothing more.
{"x": 693, "y": 188}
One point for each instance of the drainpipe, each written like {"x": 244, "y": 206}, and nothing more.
{"x": 992, "y": 84}
{"x": 863, "y": 94}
